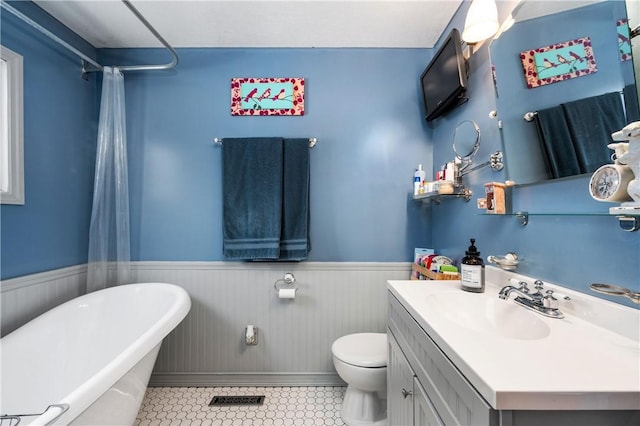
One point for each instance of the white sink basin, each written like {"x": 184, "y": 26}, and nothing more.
{"x": 488, "y": 315}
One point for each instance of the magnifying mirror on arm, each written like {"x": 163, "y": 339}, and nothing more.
{"x": 466, "y": 142}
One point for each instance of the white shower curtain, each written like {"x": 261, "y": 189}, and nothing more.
{"x": 109, "y": 245}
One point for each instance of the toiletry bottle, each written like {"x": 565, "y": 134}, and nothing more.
{"x": 472, "y": 270}
{"x": 418, "y": 181}
{"x": 450, "y": 172}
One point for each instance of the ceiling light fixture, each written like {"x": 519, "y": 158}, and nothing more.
{"x": 481, "y": 22}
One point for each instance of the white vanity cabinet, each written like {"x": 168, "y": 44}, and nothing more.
{"x": 400, "y": 379}
{"x": 407, "y": 402}
{"x": 424, "y": 413}
{"x": 440, "y": 373}
{"x": 440, "y": 395}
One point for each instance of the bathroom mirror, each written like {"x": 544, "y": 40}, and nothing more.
{"x": 466, "y": 140}
{"x": 537, "y": 25}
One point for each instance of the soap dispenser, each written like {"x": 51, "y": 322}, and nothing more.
{"x": 472, "y": 270}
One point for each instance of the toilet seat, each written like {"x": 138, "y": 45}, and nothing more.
{"x": 367, "y": 350}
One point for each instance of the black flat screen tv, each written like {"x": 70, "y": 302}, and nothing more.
{"x": 444, "y": 81}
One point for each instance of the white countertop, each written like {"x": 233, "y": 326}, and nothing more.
{"x": 578, "y": 365}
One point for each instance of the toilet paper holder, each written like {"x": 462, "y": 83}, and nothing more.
{"x": 285, "y": 282}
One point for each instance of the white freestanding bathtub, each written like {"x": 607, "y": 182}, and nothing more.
{"x": 90, "y": 359}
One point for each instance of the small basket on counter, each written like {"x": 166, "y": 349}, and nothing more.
{"x": 421, "y": 271}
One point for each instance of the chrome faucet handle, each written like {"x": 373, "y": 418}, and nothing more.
{"x": 551, "y": 299}
{"x": 558, "y": 295}
{"x": 539, "y": 286}
{"x": 520, "y": 285}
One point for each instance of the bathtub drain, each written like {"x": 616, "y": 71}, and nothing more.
{"x": 237, "y": 400}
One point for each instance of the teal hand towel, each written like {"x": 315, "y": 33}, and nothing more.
{"x": 252, "y": 174}
{"x": 555, "y": 142}
{"x": 294, "y": 240}
{"x": 591, "y": 122}
{"x": 631, "y": 105}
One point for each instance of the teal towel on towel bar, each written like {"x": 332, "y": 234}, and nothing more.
{"x": 631, "y": 105}
{"x": 252, "y": 197}
{"x": 294, "y": 240}
{"x": 591, "y": 122}
{"x": 555, "y": 140}
{"x": 574, "y": 135}
{"x": 265, "y": 199}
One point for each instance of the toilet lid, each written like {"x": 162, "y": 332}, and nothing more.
{"x": 362, "y": 349}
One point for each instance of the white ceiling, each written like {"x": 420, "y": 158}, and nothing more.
{"x": 257, "y": 23}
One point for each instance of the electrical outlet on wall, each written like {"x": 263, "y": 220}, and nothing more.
{"x": 251, "y": 335}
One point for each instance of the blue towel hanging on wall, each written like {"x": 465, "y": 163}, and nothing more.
{"x": 294, "y": 240}
{"x": 631, "y": 105}
{"x": 252, "y": 197}
{"x": 591, "y": 122}
{"x": 555, "y": 140}
{"x": 265, "y": 198}
{"x": 574, "y": 135}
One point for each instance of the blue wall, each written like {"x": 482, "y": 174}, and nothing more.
{"x": 51, "y": 229}
{"x": 571, "y": 250}
{"x": 363, "y": 105}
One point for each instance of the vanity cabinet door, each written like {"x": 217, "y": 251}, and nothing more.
{"x": 424, "y": 414}
{"x": 452, "y": 396}
{"x": 399, "y": 385}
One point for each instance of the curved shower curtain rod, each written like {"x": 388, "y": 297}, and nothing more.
{"x": 95, "y": 66}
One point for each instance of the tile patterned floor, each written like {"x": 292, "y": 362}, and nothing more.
{"x": 283, "y": 406}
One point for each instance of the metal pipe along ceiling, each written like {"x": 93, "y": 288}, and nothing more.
{"x": 95, "y": 66}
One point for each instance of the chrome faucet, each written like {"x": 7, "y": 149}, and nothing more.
{"x": 522, "y": 290}
{"x": 545, "y": 304}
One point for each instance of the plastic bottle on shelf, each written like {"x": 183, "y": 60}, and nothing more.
{"x": 450, "y": 172}
{"x": 418, "y": 181}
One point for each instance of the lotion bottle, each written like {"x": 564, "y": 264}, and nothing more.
{"x": 418, "y": 181}
{"x": 450, "y": 172}
{"x": 472, "y": 270}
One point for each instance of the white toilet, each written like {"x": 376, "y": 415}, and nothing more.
{"x": 361, "y": 361}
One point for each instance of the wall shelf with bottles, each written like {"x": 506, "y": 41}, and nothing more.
{"x": 437, "y": 196}
{"x": 627, "y": 222}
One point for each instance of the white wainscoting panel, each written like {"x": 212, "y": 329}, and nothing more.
{"x": 208, "y": 348}
{"x": 294, "y": 336}
{"x": 24, "y": 298}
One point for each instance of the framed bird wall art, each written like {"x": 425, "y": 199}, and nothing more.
{"x": 558, "y": 62}
{"x": 267, "y": 96}
{"x": 624, "y": 39}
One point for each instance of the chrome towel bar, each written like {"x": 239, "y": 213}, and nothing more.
{"x": 312, "y": 141}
